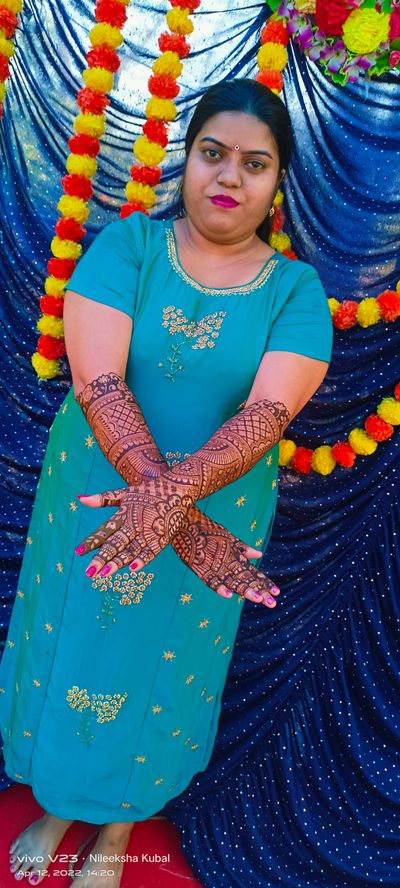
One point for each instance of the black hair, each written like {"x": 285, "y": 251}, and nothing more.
{"x": 249, "y": 97}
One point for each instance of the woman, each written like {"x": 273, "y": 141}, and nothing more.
{"x": 192, "y": 345}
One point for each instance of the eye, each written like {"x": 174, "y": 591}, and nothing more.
{"x": 256, "y": 165}
{"x": 212, "y": 153}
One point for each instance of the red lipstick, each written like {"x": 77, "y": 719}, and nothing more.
{"x": 223, "y": 200}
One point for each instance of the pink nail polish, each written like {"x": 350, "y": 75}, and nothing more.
{"x": 80, "y": 550}
{"x": 80, "y": 495}
{"x": 90, "y": 571}
{"x": 271, "y": 600}
{"x": 34, "y": 878}
{"x": 105, "y": 570}
{"x": 134, "y": 565}
{"x": 275, "y": 589}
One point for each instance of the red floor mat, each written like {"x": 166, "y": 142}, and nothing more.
{"x": 18, "y": 809}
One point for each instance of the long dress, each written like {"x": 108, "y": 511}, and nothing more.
{"x": 111, "y": 687}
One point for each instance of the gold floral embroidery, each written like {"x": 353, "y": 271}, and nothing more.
{"x": 253, "y": 525}
{"x": 140, "y": 759}
{"x": 173, "y": 458}
{"x": 259, "y": 542}
{"x": 189, "y": 679}
{"x": 121, "y": 588}
{"x": 176, "y": 733}
{"x": 89, "y": 441}
{"x": 216, "y": 291}
{"x": 217, "y": 639}
{"x": 185, "y": 598}
{"x": 203, "y": 624}
{"x": 105, "y": 706}
{"x": 203, "y": 332}
{"x": 20, "y": 594}
{"x": 160, "y": 780}
{"x": 126, "y": 805}
{"x": 73, "y": 507}
{"x": 36, "y": 682}
{"x": 169, "y": 655}
{"x": 63, "y": 456}
{"x": 240, "y": 501}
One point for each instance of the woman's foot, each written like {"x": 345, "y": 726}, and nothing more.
{"x": 112, "y": 840}
{"x": 39, "y": 840}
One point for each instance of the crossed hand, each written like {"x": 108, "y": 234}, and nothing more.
{"x": 157, "y": 512}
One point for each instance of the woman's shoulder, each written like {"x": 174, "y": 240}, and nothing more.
{"x": 294, "y": 269}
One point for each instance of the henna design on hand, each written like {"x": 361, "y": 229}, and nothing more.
{"x": 233, "y": 449}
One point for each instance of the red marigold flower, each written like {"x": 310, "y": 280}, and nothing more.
{"x": 110, "y": 11}
{"x": 4, "y": 68}
{"x": 330, "y": 15}
{"x": 275, "y": 32}
{"x": 301, "y": 460}
{"x": 103, "y": 56}
{"x": 146, "y": 175}
{"x": 52, "y": 305}
{"x": 83, "y": 144}
{"x": 270, "y": 78}
{"x": 8, "y": 21}
{"x": 50, "y": 347}
{"x": 346, "y": 315}
{"x": 377, "y": 428}
{"x": 156, "y": 131}
{"x": 92, "y": 101}
{"x": 174, "y": 43}
{"x": 134, "y": 207}
{"x": 290, "y": 254}
{"x": 61, "y": 268}
{"x": 69, "y": 229}
{"x": 77, "y": 186}
{"x": 397, "y": 392}
{"x": 344, "y": 454}
{"x": 191, "y": 5}
{"x": 163, "y": 86}
{"x": 277, "y": 219}
{"x": 389, "y": 304}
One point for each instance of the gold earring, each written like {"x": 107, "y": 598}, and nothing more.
{"x": 272, "y": 211}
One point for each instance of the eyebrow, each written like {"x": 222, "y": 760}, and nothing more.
{"x": 246, "y": 151}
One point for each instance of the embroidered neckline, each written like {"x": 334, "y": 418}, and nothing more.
{"x": 257, "y": 282}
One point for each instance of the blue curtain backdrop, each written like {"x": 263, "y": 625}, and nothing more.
{"x": 303, "y": 785}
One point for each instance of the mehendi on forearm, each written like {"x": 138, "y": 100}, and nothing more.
{"x": 233, "y": 449}
{"x": 117, "y": 422}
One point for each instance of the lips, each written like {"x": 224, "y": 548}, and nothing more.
{"x": 223, "y": 200}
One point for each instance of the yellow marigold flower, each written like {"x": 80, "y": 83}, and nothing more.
{"x": 305, "y": 5}
{"x": 272, "y": 55}
{"x": 73, "y": 207}
{"x": 144, "y": 193}
{"x": 365, "y": 29}
{"x": 13, "y": 5}
{"x": 398, "y": 287}
{"x": 361, "y": 442}
{"x": 51, "y": 326}
{"x": 45, "y": 368}
{"x": 333, "y": 305}
{"x": 162, "y": 109}
{"x": 389, "y": 410}
{"x": 98, "y": 79}
{"x": 278, "y": 199}
{"x": 168, "y": 63}
{"x": 179, "y": 22}
{"x": 6, "y": 47}
{"x": 82, "y": 165}
{"x": 279, "y": 241}
{"x": 55, "y": 286}
{"x": 368, "y": 312}
{"x": 3, "y": 90}
{"x": 90, "y": 124}
{"x": 286, "y": 450}
{"x": 149, "y": 153}
{"x": 104, "y": 33}
{"x": 65, "y": 249}
{"x": 322, "y": 460}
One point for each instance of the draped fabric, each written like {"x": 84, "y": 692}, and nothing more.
{"x": 303, "y": 785}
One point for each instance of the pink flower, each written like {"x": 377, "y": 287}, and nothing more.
{"x": 394, "y": 58}
{"x": 394, "y": 24}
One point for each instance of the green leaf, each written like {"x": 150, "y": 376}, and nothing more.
{"x": 337, "y": 77}
{"x": 368, "y": 4}
{"x": 273, "y": 4}
{"x": 386, "y": 5}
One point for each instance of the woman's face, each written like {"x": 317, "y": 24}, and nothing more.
{"x": 231, "y": 176}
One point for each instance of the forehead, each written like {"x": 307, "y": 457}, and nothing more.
{"x": 238, "y": 126}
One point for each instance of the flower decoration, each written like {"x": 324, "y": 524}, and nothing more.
{"x": 9, "y": 10}
{"x": 347, "y": 38}
{"x": 378, "y": 427}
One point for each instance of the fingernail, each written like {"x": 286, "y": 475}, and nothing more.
{"x": 275, "y": 589}
{"x": 80, "y": 495}
{"x": 271, "y": 600}
{"x": 90, "y": 571}
{"x": 19, "y": 876}
{"x": 80, "y": 550}
{"x": 105, "y": 570}
{"x": 134, "y": 565}
{"x": 34, "y": 878}
{"x": 228, "y": 594}
{"x": 257, "y": 596}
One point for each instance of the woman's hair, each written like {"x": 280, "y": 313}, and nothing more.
{"x": 245, "y": 96}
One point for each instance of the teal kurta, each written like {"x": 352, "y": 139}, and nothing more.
{"x": 111, "y": 687}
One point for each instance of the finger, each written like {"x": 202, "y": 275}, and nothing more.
{"x": 253, "y": 553}
{"x": 107, "y": 498}
{"x": 224, "y": 591}
{"x": 99, "y": 537}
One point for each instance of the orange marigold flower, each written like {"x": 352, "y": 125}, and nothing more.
{"x": 274, "y": 32}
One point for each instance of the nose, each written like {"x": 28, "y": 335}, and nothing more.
{"x": 229, "y": 173}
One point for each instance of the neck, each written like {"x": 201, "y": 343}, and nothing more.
{"x": 234, "y": 246}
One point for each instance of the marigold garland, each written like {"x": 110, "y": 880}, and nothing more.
{"x": 378, "y": 427}
{"x": 89, "y": 125}
{"x": 9, "y": 10}
{"x": 149, "y": 148}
